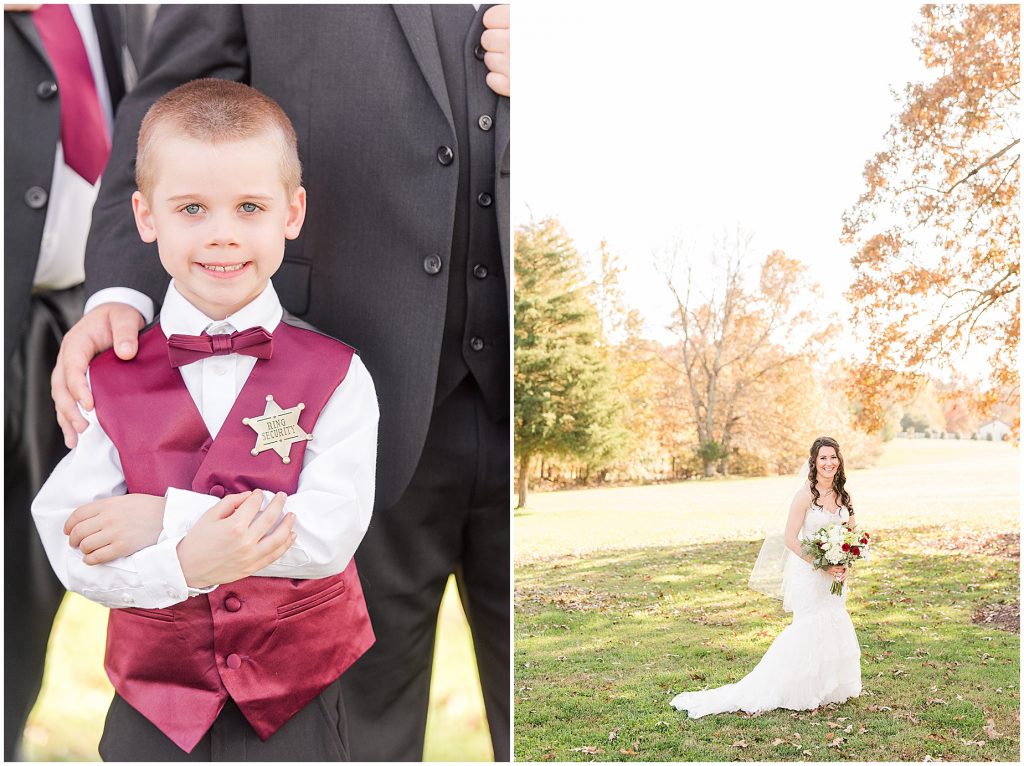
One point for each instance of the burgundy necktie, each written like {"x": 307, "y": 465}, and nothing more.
{"x": 83, "y": 130}
{"x": 185, "y": 349}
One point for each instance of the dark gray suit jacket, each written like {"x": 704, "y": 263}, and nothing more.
{"x": 31, "y": 132}
{"x": 364, "y": 88}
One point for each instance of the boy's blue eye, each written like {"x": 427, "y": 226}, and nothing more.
{"x": 250, "y": 207}
{"x": 192, "y": 209}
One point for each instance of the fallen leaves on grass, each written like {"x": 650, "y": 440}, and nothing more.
{"x": 1000, "y": 616}
{"x": 740, "y": 743}
{"x": 588, "y": 749}
{"x": 633, "y": 749}
{"x": 990, "y": 729}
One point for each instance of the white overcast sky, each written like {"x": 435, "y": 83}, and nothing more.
{"x": 646, "y": 124}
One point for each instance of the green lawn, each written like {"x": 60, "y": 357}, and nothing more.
{"x": 66, "y": 722}
{"x": 624, "y": 597}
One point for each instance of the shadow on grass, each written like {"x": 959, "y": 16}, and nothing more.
{"x": 603, "y": 642}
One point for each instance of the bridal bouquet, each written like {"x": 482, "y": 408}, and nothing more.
{"x": 836, "y": 546}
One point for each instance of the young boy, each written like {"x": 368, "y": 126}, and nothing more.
{"x": 227, "y": 475}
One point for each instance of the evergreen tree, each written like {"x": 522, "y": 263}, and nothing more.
{"x": 565, "y": 401}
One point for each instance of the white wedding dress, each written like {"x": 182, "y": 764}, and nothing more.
{"x": 814, "y": 661}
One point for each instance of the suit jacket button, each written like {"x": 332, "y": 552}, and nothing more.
{"x": 432, "y": 264}
{"x": 232, "y": 603}
{"x": 477, "y": 344}
{"x": 484, "y": 199}
{"x": 479, "y": 52}
{"x": 217, "y": 490}
{"x": 46, "y": 89}
{"x": 36, "y": 197}
{"x": 234, "y": 661}
{"x": 480, "y": 271}
{"x": 445, "y": 155}
{"x": 485, "y": 122}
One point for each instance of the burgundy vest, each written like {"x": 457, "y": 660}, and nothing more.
{"x": 271, "y": 644}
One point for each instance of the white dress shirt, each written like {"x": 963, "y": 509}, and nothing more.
{"x": 332, "y": 503}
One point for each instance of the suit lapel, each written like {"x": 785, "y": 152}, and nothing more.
{"x": 418, "y": 27}
{"x": 23, "y": 23}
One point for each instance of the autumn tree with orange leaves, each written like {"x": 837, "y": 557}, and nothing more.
{"x": 937, "y": 227}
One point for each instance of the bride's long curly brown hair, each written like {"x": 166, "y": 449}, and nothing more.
{"x": 838, "y": 481}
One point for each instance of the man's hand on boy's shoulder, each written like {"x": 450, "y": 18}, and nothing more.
{"x": 109, "y": 324}
{"x": 108, "y": 529}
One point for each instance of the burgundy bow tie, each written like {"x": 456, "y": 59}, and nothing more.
{"x": 185, "y": 349}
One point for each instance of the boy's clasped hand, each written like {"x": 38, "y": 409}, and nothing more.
{"x": 230, "y": 541}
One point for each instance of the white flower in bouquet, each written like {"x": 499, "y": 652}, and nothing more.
{"x": 834, "y": 554}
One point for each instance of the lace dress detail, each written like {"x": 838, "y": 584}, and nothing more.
{"x": 814, "y": 661}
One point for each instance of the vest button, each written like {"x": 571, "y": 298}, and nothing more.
{"x": 480, "y": 271}
{"x": 479, "y": 52}
{"x": 432, "y": 264}
{"x": 217, "y": 490}
{"x": 232, "y": 603}
{"x": 46, "y": 89}
{"x": 36, "y": 197}
{"x": 234, "y": 661}
{"x": 445, "y": 155}
{"x": 485, "y": 122}
{"x": 477, "y": 344}
{"x": 483, "y": 199}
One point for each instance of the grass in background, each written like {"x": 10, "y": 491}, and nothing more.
{"x": 68, "y": 719}
{"x": 645, "y": 596}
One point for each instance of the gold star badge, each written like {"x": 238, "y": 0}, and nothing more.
{"x": 277, "y": 429}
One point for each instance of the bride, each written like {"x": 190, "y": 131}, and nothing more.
{"x": 816, "y": 659}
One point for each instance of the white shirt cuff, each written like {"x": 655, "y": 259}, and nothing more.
{"x": 139, "y": 301}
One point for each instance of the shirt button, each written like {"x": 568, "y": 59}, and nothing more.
{"x": 219, "y": 369}
{"x": 126, "y": 598}
{"x": 445, "y": 155}
{"x": 232, "y": 603}
{"x": 432, "y": 263}
{"x": 46, "y": 89}
{"x": 36, "y": 197}
{"x": 484, "y": 199}
{"x": 485, "y": 122}
{"x": 480, "y": 271}
{"x": 477, "y": 344}
{"x": 234, "y": 661}
{"x": 172, "y": 593}
{"x": 479, "y": 52}
{"x": 217, "y": 490}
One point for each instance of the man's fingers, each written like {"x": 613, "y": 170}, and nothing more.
{"x": 75, "y": 354}
{"x": 125, "y": 323}
{"x": 497, "y": 17}
{"x": 70, "y": 434}
{"x": 496, "y": 40}
{"x": 68, "y": 414}
{"x": 497, "y": 62}
{"x": 499, "y": 83}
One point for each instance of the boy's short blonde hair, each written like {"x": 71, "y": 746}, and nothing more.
{"x": 215, "y": 111}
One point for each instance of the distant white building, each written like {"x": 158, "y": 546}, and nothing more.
{"x": 996, "y": 427}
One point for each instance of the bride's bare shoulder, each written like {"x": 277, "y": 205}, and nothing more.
{"x": 803, "y": 496}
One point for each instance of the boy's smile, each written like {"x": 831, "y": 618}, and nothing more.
{"x": 220, "y": 214}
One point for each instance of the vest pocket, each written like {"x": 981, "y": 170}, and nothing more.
{"x": 163, "y": 615}
{"x": 320, "y": 597}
